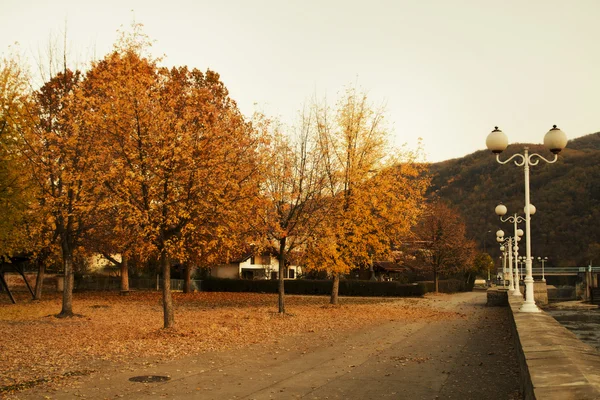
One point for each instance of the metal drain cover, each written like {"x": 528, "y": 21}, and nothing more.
{"x": 150, "y": 378}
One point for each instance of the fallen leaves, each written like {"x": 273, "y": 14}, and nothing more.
{"x": 37, "y": 347}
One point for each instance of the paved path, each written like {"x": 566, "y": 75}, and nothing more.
{"x": 463, "y": 358}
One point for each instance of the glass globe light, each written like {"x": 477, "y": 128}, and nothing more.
{"x": 555, "y": 140}
{"x": 532, "y": 209}
{"x": 496, "y": 141}
{"x": 500, "y": 209}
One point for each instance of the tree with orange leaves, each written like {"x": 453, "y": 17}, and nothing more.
{"x": 293, "y": 190}
{"x": 377, "y": 195}
{"x": 176, "y": 157}
{"x": 441, "y": 243}
{"x": 58, "y": 152}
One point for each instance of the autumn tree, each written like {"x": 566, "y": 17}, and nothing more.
{"x": 377, "y": 193}
{"x": 440, "y": 243}
{"x": 482, "y": 265}
{"x": 177, "y": 158}
{"x": 114, "y": 244}
{"x": 14, "y": 188}
{"x": 24, "y": 227}
{"x": 57, "y": 150}
{"x": 293, "y": 190}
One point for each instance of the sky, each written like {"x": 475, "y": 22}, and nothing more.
{"x": 447, "y": 71}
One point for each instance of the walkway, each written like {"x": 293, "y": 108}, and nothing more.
{"x": 465, "y": 358}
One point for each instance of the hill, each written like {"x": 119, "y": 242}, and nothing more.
{"x": 566, "y": 195}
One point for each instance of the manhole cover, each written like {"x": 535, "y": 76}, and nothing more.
{"x": 150, "y": 378}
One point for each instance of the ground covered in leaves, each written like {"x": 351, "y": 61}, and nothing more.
{"x": 35, "y": 346}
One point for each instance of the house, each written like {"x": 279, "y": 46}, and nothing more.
{"x": 254, "y": 266}
{"x": 100, "y": 264}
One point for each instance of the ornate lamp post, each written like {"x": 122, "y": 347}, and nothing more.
{"x": 555, "y": 140}
{"x": 543, "y": 260}
{"x": 503, "y": 258}
{"x": 503, "y": 262}
{"x": 515, "y": 219}
{"x": 505, "y": 249}
{"x": 509, "y": 247}
{"x": 521, "y": 263}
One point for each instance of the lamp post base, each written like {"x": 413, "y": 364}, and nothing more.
{"x": 529, "y": 308}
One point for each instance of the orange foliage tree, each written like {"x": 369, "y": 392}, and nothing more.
{"x": 441, "y": 244}
{"x": 15, "y": 190}
{"x": 377, "y": 194}
{"x": 293, "y": 189}
{"x": 176, "y": 157}
{"x": 58, "y": 152}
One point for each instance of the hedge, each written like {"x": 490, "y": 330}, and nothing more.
{"x": 447, "y": 286}
{"x": 316, "y": 287}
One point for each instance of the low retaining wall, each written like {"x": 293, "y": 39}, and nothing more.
{"x": 554, "y": 363}
{"x": 497, "y": 297}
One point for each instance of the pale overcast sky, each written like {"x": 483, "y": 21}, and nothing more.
{"x": 448, "y": 70}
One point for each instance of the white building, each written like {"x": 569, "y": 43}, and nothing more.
{"x": 264, "y": 266}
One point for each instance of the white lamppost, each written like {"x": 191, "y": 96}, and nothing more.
{"x": 543, "y": 260}
{"x": 555, "y": 140}
{"x": 507, "y": 245}
{"x": 521, "y": 262}
{"x": 503, "y": 260}
{"x": 515, "y": 219}
{"x": 503, "y": 263}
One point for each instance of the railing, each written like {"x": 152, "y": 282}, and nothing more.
{"x": 562, "y": 270}
{"x": 565, "y": 270}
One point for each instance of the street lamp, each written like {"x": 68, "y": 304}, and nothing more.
{"x": 543, "y": 260}
{"x": 521, "y": 263}
{"x": 503, "y": 262}
{"x": 514, "y": 219}
{"x": 555, "y": 140}
{"x": 507, "y": 247}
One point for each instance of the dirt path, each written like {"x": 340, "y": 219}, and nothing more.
{"x": 464, "y": 358}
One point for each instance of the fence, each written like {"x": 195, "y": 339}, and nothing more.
{"x": 110, "y": 283}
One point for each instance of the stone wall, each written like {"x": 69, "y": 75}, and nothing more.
{"x": 497, "y": 297}
{"x": 555, "y": 364}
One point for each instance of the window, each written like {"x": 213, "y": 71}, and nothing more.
{"x": 292, "y": 273}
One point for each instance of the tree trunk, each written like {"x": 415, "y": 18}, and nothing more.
{"x": 169, "y": 319}
{"x": 124, "y": 275}
{"x": 187, "y": 283}
{"x": 67, "y": 302}
{"x": 435, "y": 280}
{"x": 335, "y": 289}
{"x": 281, "y": 272}
{"x": 39, "y": 280}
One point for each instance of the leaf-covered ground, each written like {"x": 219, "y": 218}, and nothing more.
{"x": 37, "y": 347}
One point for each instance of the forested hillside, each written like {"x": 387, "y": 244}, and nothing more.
{"x": 566, "y": 227}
